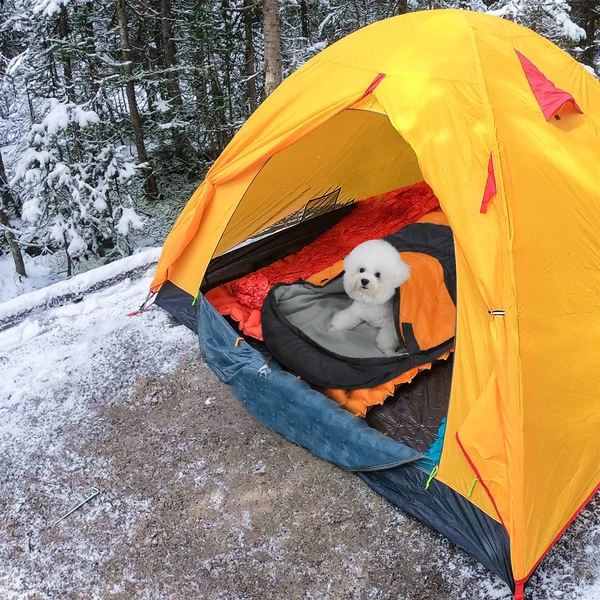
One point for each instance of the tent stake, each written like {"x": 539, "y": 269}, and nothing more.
{"x": 95, "y": 492}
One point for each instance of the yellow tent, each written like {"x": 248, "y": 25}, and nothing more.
{"x": 505, "y": 128}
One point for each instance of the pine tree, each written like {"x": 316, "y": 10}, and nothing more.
{"x": 587, "y": 14}
{"x": 150, "y": 185}
{"x": 550, "y": 18}
{"x": 6, "y": 201}
{"x": 75, "y": 186}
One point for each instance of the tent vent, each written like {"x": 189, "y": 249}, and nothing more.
{"x": 321, "y": 205}
{"x": 315, "y": 207}
{"x": 549, "y": 97}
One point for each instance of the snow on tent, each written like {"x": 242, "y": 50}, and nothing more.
{"x": 500, "y": 127}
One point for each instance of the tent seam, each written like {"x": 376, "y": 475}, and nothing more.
{"x": 511, "y": 273}
{"x": 399, "y": 75}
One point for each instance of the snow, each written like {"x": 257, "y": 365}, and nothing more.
{"x": 57, "y": 118}
{"x": 316, "y": 47}
{"x": 40, "y": 273}
{"x": 172, "y": 125}
{"x": 569, "y": 29}
{"x": 84, "y": 117}
{"x": 72, "y": 287}
{"x": 76, "y": 245}
{"x": 100, "y": 204}
{"x": 42, "y": 354}
{"x": 591, "y": 71}
{"x": 31, "y": 210}
{"x": 127, "y": 171}
{"x": 57, "y": 228}
{"x": 14, "y": 64}
{"x": 128, "y": 219}
{"x": 49, "y": 7}
{"x": 162, "y": 105}
{"x": 555, "y": 11}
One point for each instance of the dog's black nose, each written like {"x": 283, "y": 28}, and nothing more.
{"x": 365, "y": 282}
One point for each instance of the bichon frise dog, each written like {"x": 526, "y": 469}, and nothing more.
{"x": 372, "y": 272}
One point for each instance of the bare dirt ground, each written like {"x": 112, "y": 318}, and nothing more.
{"x": 198, "y": 500}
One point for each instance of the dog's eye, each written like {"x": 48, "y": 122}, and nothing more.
{"x": 377, "y": 275}
{"x": 361, "y": 270}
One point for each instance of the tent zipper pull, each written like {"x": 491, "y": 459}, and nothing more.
{"x": 497, "y": 313}
{"x": 431, "y": 476}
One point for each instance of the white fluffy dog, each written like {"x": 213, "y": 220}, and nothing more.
{"x": 372, "y": 272}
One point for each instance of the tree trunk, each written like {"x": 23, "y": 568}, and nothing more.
{"x": 166, "y": 21}
{"x": 67, "y": 255}
{"x": 250, "y": 57}
{"x": 90, "y": 48}
{"x": 180, "y": 139}
{"x": 227, "y": 58}
{"x": 150, "y": 185}
{"x": 51, "y": 66}
{"x": 30, "y": 105}
{"x": 272, "y": 44}
{"x": 402, "y": 7}
{"x": 304, "y": 18}
{"x": 63, "y": 28}
{"x": 6, "y": 200}
{"x": 219, "y": 115}
{"x": 13, "y": 245}
{"x": 65, "y": 57}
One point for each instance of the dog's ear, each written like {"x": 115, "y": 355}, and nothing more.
{"x": 402, "y": 272}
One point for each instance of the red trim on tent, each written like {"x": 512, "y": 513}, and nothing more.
{"x": 374, "y": 84}
{"x": 519, "y": 590}
{"x": 520, "y": 584}
{"x": 560, "y": 533}
{"x": 485, "y": 487}
{"x": 490, "y": 186}
{"x": 549, "y": 97}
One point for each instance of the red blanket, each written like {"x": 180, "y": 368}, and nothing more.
{"x": 373, "y": 218}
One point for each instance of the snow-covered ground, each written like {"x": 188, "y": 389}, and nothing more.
{"x": 41, "y": 272}
{"x": 57, "y": 367}
{"x": 196, "y": 499}
{"x": 22, "y": 302}
{"x": 43, "y": 275}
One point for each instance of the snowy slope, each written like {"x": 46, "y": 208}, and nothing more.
{"x": 21, "y": 304}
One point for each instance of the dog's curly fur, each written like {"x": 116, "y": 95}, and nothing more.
{"x": 372, "y": 272}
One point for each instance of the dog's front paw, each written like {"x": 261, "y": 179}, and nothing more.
{"x": 388, "y": 350}
{"x": 332, "y": 329}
